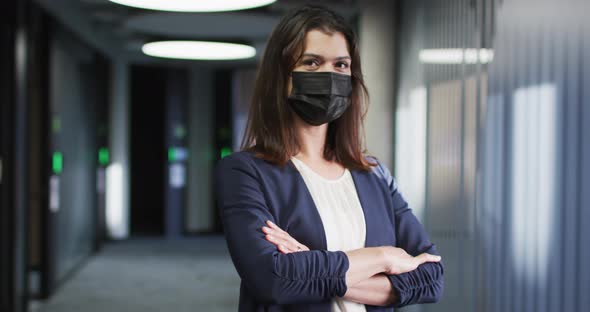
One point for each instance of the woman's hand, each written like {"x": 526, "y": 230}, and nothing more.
{"x": 399, "y": 261}
{"x": 284, "y": 242}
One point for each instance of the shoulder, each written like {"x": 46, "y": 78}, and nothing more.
{"x": 380, "y": 170}
{"x": 237, "y": 158}
{"x": 243, "y": 168}
{"x": 241, "y": 160}
{"x": 247, "y": 162}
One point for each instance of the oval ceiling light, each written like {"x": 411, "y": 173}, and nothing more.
{"x": 198, "y": 50}
{"x": 194, "y": 5}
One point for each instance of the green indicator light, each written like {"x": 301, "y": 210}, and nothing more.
{"x": 225, "y": 151}
{"x": 103, "y": 156}
{"x": 171, "y": 154}
{"x": 57, "y": 162}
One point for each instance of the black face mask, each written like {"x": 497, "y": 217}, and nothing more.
{"x": 320, "y": 97}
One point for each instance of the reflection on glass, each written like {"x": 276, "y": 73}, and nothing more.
{"x": 410, "y": 169}
{"x": 456, "y": 56}
{"x": 533, "y": 180}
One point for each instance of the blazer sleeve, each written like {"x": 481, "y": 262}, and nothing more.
{"x": 424, "y": 284}
{"x": 269, "y": 275}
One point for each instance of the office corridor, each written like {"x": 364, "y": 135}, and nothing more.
{"x": 192, "y": 274}
{"x": 109, "y": 195}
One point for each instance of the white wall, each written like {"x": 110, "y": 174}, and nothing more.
{"x": 376, "y": 32}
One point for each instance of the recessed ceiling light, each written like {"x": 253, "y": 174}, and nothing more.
{"x": 194, "y": 5}
{"x": 198, "y": 50}
{"x": 456, "y": 56}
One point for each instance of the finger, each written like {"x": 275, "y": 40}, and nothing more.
{"x": 278, "y": 241}
{"x": 282, "y": 234}
{"x": 275, "y": 232}
{"x": 289, "y": 243}
{"x": 274, "y": 239}
{"x": 281, "y": 249}
{"x": 274, "y": 226}
{"x": 426, "y": 257}
{"x": 421, "y": 258}
{"x": 302, "y": 248}
{"x": 284, "y": 249}
{"x": 287, "y": 246}
{"x": 286, "y": 240}
{"x": 433, "y": 258}
{"x": 294, "y": 246}
{"x": 292, "y": 243}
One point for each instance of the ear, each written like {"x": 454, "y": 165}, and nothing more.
{"x": 289, "y": 85}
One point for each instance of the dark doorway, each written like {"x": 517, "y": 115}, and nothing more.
{"x": 148, "y": 97}
{"x": 15, "y": 29}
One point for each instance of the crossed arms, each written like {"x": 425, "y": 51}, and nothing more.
{"x": 387, "y": 275}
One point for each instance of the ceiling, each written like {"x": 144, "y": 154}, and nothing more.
{"x": 120, "y": 31}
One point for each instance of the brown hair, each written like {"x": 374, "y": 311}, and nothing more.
{"x": 270, "y": 132}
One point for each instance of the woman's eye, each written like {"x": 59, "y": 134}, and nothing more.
{"x": 311, "y": 62}
{"x": 342, "y": 65}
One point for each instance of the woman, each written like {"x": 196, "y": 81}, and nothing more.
{"x": 312, "y": 224}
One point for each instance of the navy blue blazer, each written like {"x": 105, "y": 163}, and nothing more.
{"x": 250, "y": 190}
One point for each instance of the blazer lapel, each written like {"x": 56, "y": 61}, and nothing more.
{"x": 311, "y": 232}
{"x": 362, "y": 185}
{"x": 308, "y": 227}
{"x": 374, "y": 198}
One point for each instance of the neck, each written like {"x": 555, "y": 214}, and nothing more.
{"x": 311, "y": 139}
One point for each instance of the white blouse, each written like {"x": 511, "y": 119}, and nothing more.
{"x": 342, "y": 216}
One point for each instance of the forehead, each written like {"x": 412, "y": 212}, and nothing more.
{"x": 326, "y": 45}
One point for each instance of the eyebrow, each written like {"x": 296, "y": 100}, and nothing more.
{"x": 321, "y": 57}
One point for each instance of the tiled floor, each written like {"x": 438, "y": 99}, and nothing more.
{"x": 147, "y": 275}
